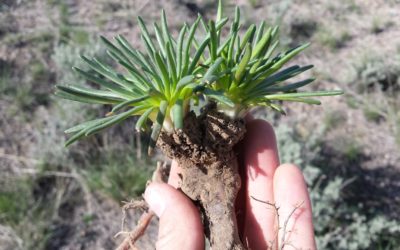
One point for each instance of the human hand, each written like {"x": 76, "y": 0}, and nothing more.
{"x": 263, "y": 179}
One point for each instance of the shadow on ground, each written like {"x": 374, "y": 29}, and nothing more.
{"x": 377, "y": 189}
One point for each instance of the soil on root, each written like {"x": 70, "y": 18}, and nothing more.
{"x": 209, "y": 171}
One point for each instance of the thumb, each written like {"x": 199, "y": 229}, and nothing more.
{"x": 180, "y": 225}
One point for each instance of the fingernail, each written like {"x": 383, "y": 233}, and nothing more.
{"x": 155, "y": 201}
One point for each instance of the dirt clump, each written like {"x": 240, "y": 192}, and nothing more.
{"x": 209, "y": 171}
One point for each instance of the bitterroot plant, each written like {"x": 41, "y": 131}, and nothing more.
{"x": 211, "y": 65}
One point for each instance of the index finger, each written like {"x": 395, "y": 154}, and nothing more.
{"x": 259, "y": 158}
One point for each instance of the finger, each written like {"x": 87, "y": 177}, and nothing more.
{"x": 295, "y": 215}
{"x": 180, "y": 226}
{"x": 260, "y": 158}
{"x": 174, "y": 179}
{"x": 249, "y": 117}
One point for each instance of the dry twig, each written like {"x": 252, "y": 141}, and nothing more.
{"x": 283, "y": 242}
{"x": 276, "y": 210}
{"x": 138, "y": 232}
{"x": 285, "y": 224}
{"x": 145, "y": 219}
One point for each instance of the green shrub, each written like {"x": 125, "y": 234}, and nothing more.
{"x": 18, "y": 94}
{"x": 333, "y": 38}
{"x": 380, "y": 24}
{"x": 334, "y": 118}
{"x": 372, "y": 115}
{"x": 5, "y": 76}
{"x": 14, "y": 203}
{"x": 66, "y": 56}
{"x": 376, "y": 81}
{"x": 119, "y": 175}
{"x": 302, "y": 28}
{"x": 50, "y": 122}
{"x": 339, "y": 223}
{"x": 376, "y": 72}
{"x": 23, "y": 212}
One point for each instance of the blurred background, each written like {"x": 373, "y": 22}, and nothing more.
{"x": 52, "y": 197}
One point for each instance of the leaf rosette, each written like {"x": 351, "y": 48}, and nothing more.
{"x": 161, "y": 84}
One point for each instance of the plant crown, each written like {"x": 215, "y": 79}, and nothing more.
{"x": 163, "y": 83}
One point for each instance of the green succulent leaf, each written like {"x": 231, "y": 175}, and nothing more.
{"x": 210, "y": 75}
{"x": 243, "y": 64}
{"x": 184, "y": 82}
{"x": 189, "y": 41}
{"x": 179, "y": 50}
{"x": 119, "y": 55}
{"x": 146, "y": 37}
{"x": 143, "y": 119}
{"x": 87, "y": 124}
{"x": 218, "y": 96}
{"x": 262, "y": 45}
{"x": 82, "y": 95}
{"x": 197, "y": 56}
{"x": 115, "y": 119}
{"x": 129, "y": 103}
{"x": 91, "y": 127}
{"x": 290, "y": 87}
{"x": 134, "y": 55}
{"x": 259, "y": 33}
{"x": 157, "y": 126}
{"x": 165, "y": 30}
{"x": 177, "y": 114}
{"x": 108, "y": 73}
{"x": 160, "y": 39}
{"x": 160, "y": 84}
{"x": 277, "y": 107}
{"x": 303, "y": 94}
{"x": 283, "y": 75}
{"x": 110, "y": 86}
{"x": 75, "y": 138}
